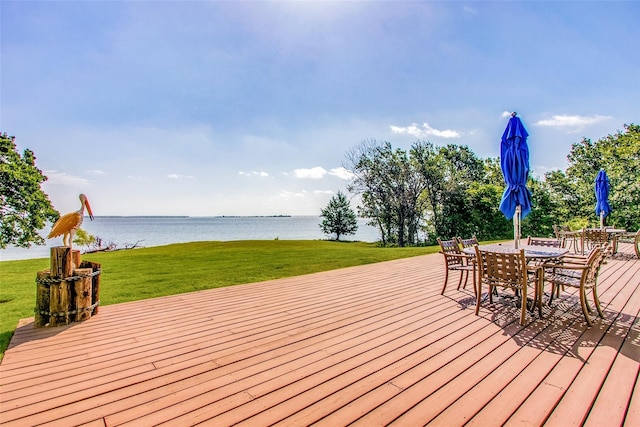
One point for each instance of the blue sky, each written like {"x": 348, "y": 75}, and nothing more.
{"x": 249, "y": 108}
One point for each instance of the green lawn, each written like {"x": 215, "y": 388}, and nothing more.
{"x": 166, "y": 270}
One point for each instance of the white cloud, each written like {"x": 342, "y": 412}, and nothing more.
{"x": 322, "y": 192}
{"x": 425, "y": 130}
{"x": 254, "y": 173}
{"x": 575, "y": 121}
{"x": 289, "y": 194}
{"x": 178, "y": 176}
{"x": 313, "y": 173}
{"x": 506, "y": 114}
{"x": 62, "y": 178}
{"x": 341, "y": 173}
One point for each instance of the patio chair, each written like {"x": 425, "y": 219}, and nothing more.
{"x": 581, "y": 274}
{"x": 567, "y": 237}
{"x": 467, "y": 243}
{"x": 593, "y": 237}
{"x": 541, "y": 241}
{"x": 509, "y": 270}
{"x": 456, "y": 260}
{"x": 633, "y": 238}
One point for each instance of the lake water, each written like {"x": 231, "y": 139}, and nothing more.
{"x": 157, "y": 231}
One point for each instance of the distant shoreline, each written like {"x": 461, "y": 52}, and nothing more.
{"x": 202, "y": 216}
{"x": 149, "y": 231}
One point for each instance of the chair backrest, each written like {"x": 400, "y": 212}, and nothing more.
{"x": 596, "y": 236}
{"x": 467, "y": 243}
{"x": 449, "y": 246}
{"x": 541, "y": 241}
{"x": 451, "y": 252}
{"x": 502, "y": 269}
{"x": 556, "y": 231}
{"x": 595, "y": 261}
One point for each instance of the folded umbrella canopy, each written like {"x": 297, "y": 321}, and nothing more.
{"x": 514, "y": 161}
{"x": 602, "y": 187}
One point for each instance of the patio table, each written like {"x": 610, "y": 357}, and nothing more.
{"x": 612, "y": 234}
{"x": 532, "y": 253}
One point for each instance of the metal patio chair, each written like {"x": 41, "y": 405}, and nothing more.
{"x": 456, "y": 260}
{"x": 509, "y": 270}
{"x": 581, "y": 274}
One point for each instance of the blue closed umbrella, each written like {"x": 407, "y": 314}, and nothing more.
{"x": 602, "y": 187}
{"x": 514, "y": 161}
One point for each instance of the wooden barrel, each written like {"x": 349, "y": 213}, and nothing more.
{"x": 69, "y": 291}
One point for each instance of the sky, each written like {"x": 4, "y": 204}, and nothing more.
{"x": 207, "y": 108}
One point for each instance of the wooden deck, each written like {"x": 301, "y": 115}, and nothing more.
{"x": 370, "y": 345}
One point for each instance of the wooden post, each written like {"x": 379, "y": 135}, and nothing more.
{"x": 82, "y": 294}
{"x": 61, "y": 262}
{"x": 75, "y": 255}
{"x": 60, "y": 303}
{"x": 95, "y": 284}
{"x": 60, "y": 295}
{"x": 42, "y": 300}
{"x": 57, "y": 296}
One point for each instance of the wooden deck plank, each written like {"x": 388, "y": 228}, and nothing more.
{"x": 327, "y": 352}
{"x": 582, "y": 393}
{"x": 549, "y": 393}
{"x": 632, "y": 417}
{"x": 369, "y": 345}
{"x": 564, "y": 331}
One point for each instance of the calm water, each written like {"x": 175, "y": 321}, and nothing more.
{"x": 157, "y": 231}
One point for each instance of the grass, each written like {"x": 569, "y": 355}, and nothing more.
{"x": 173, "y": 269}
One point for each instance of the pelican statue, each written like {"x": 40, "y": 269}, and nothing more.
{"x": 67, "y": 224}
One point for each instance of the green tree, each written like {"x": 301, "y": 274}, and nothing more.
{"x": 339, "y": 218}
{"x": 540, "y": 220}
{"x": 82, "y": 238}
{"x": 391, "y": 190}
{"x": 24, "y": 207}
{"x": 484, "y": 217}
{"x": 448, "y": 174}
{"x": 619, "y": 156}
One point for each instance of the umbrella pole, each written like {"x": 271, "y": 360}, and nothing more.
{"x": 601, "y": 219}
{"x": 516, "y": 226}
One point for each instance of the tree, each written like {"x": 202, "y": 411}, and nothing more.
{"x": 448, "y": 174}
{"x": 24, "y": 207}
{"x": 619, "y": 156}
{"x": 83, "y": 238}
{"x": 339, "y": 218}
{"x": 391, "y": 190}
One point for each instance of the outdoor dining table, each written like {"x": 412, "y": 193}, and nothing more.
{"x": 612, "y": 234}
{"x": 531, "y": 252}
{"x": 535, "y": 254}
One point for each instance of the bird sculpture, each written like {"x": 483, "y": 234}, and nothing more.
{"x": 67, "y": 224}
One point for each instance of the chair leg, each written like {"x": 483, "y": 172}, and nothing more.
{"x": 596, "y": 301}
{"x": 540, "y": 293}
{"x": 479, "y": 295}
{"x": 523, "y": 309}
{"x": 583, "y": 303}
{"x": 466, "y": 279}
{"x": 462, "y": 272}
{"x": 475, "y": 288}
{"x": 446, "y": 279}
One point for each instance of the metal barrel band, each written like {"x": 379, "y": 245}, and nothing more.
{"x": 67, "y": 313}
{"x": 49, "y": 282}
